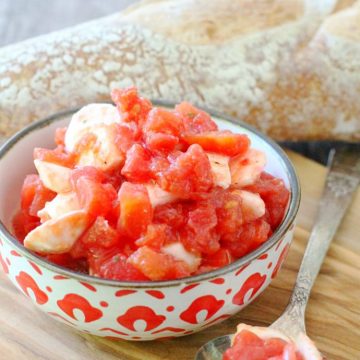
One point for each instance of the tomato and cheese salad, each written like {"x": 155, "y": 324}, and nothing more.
{"x": 261, "y": 343}
{"x": 138, "y": 192}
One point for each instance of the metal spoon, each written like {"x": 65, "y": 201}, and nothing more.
{"x": 341, "y": 182}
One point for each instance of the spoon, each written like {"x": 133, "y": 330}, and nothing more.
{"x": 341, "y": 182}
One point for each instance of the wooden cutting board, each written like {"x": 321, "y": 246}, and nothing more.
{"x": 333, "y": 314}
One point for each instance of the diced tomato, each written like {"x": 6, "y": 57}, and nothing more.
{"x": 156, "y": 265}
{"x": 95, "y": 175}
{"x": 171, "y": 214}
{"x": 246, "y": 337}
{"x": 229, "y": 215}
{"x": 57, "y": 156}
{"x": 28, "y": 191}
{"x": 249, "y": 237}
{"x": 199, "y": 123}
{"x": 157, "y": 141}
{"x": 97, "y": 256}
{"x": 195, "y": 121}
{"x": 135, "y": 209}
{"x": 65, "y": 260}
{"x": 274, "y": 346}
{"x": 222, "y": 142}
{"x": 113, "y": 215}
{"x": 189, "y": 174}
{"x": 204, "y": 269}
{"x": 131, "y": 106}
{"x": 206, "y": 243}
{"x": 299, "y": 356}
{"x": 275, "y": 195}
{"x": 162, "y": 130}
{"x": 247, "y": 346}
{"x": 115, "y": 179}
{"x": 79, "y": 250}
{"x": 156, "y": 236}
{"x": 100, "y": 234}
{"x": 219, "y": 259}
{"x": 34, "y": 195}
{"x": 137, "y": 165}
{"x": 127, "y": 135}
{"x": 164, "y": 121}
{"x": 96, "y": 198}
{"x": 118, "y": 268}
{"x": 201, "y": 234}
{"x": 59, "y": 259}
{"x": 60, "y": 136}
{"x": 159, "y": 164}
{"x": 23, "y": 223}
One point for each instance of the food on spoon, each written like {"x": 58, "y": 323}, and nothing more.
{"x": 137, "y": 192}
{"x": 262, "y": 343}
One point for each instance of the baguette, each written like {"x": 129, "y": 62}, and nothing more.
{"x": 236, "y": 56}
{"x": 322, "y": 87}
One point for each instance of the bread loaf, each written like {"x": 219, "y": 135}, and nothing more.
{"x": 250, "y": 59}
{"x": 319, "y": 93}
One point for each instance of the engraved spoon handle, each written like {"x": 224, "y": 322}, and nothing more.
{"x": 341, "y": 182}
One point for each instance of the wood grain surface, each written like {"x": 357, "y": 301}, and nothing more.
{"x": 333, "y": 314}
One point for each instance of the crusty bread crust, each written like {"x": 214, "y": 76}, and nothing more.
{"x": 204, "y": 22}
{"x": 273, "y": 63}
{"x": 321, "y": 90}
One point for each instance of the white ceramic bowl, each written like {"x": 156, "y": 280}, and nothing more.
{"x": 143, "y": 310}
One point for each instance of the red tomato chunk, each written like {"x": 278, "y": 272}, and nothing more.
{"x": 188, "y": 174}
{"x": 171, "y": 207}
{"x": 222, "y": 142}
{"x": 248, "y": 346}
{"x": 58, "y": 156}
{"x": 135, "y": 210}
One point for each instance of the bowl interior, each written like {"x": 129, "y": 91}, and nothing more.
{"x": 16, "y": 161}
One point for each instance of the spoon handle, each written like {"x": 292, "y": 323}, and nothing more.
{"x": 341, "y": 182}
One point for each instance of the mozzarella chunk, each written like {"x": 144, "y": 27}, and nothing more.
{"x": 159, "y": 196}
{"x": 60, "y": 205}
{"x": 246, "y": 169}
{"x": 220, "y": 169}
{"x": 178, "y": 251}
{"x": 252, "y": 204}
{"x": 86, "y": 118}
{"x": 57, "y": 236}
{"x": 104, "y": 154}
{"x": 54, "y": 177}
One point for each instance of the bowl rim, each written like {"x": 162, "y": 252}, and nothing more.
{"x": 288, "y": 221}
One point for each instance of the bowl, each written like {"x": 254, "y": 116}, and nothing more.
{"x": 137, "y": 310}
